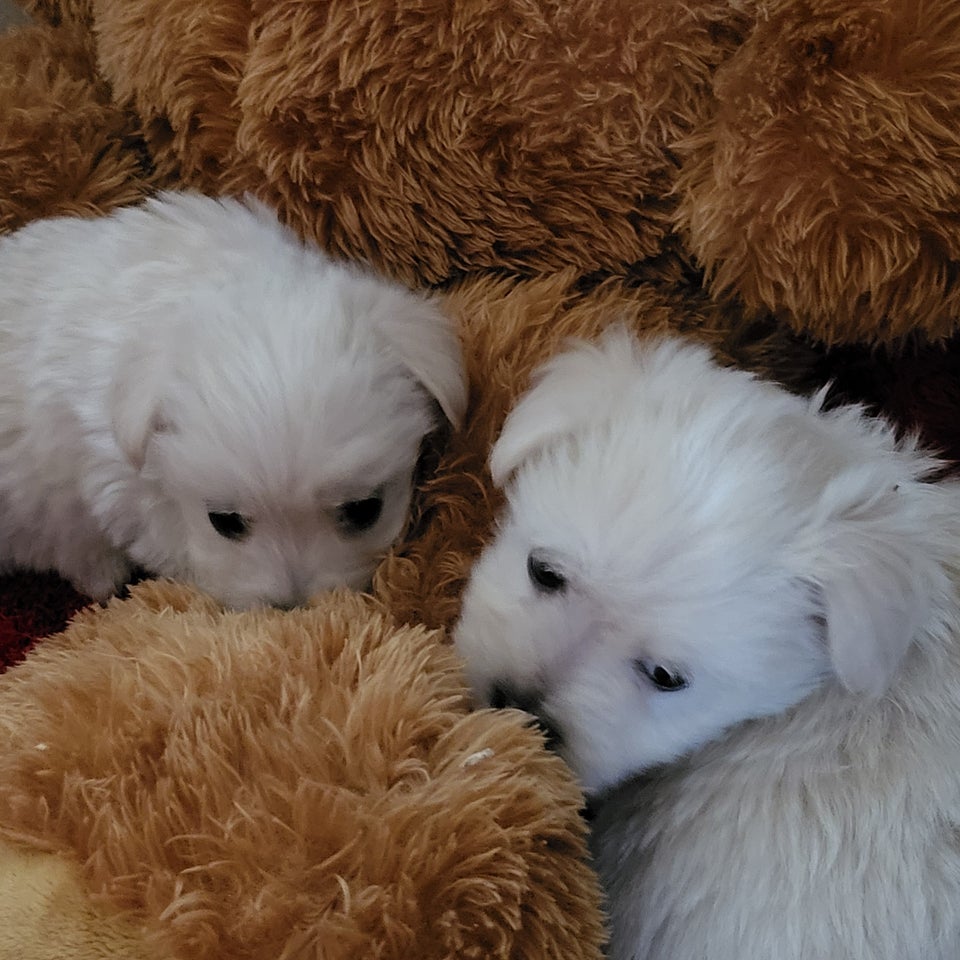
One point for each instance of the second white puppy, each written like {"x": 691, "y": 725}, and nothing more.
{"x": 696, "y": 564}
{"x": 186, "y": 386}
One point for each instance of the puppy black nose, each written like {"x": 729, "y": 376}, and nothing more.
{"x": 504, "y": 694}
{"x": 290, "y": 603}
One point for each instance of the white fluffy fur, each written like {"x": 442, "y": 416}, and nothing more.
{"x": 793, "y": 565}
{"x": 192, "y": 355}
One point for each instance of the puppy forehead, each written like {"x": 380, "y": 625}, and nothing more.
{"x": 297, "y": 464}
{"x": 674, "y": 530}
{"x": 644, "y": 479}
{"x": 295, "y": 439}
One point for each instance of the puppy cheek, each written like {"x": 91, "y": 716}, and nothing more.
{"x": 597, "y": 765}
{"x": 484, "y": 638}
{"x": 604, "y": 723}
{"x": 467, "y": 638}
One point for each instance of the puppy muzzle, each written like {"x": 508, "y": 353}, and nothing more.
{"x": 504, "y": 694}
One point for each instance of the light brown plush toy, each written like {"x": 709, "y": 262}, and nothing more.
{"x": 807, "y": 153}
{"x": 269, "y": 784}
{"x": 826, "y": 182}
{"x": 768, "y": 176}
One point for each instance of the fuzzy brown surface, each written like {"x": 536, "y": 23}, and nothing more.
{"x": 808, "y": 152}
{"x": 65, "y": 147}
{"x": 177, "y": 65}
{"x": 57, "y": 12}
{"x": 280, "y": 785}
{"x": 430, "y": 139}
{"x": 827, "y": 186}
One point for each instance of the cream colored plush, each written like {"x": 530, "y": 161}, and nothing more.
{"x": 45, "y": 914}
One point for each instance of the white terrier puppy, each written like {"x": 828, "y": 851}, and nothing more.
{"x": 696, "y": 564}
{"x": 186, "y": 386}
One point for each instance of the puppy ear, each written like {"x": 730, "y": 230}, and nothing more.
{"x": 425, "y": 340}
{"x": 578, "y": 387}
{"x": 879, "y": 563}
{"x": 135, "y": 399}
{"x": 873, "y": 599}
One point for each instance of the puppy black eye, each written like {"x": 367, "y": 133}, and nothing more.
{"x": 356, "y": 516}
{"x": 663, "y": 678}
{"x": 229, "y": 525}
{"x": 544, "y": 577}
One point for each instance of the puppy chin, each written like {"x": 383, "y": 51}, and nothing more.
{"x": 239, "y": 597}
{"x": 601, "y": 766}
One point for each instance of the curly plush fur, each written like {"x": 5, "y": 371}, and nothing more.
{"x": 251, "y": 774}
{"x": 65, "y": 147}
{"x": 806, "y": 152}
{"x": 826, "y": 183}
{"x": 454, "y": 138}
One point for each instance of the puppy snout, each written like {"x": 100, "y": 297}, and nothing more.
{"x": 504, "y": 694}
{"x": 290, "y": 603}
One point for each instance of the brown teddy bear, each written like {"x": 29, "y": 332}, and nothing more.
{"x": 777, "y": 178}
{"x": 267, "y": 784}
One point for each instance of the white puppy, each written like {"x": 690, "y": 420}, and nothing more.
{"x": 696, "y": 564}
{"x": 186, "y": 386}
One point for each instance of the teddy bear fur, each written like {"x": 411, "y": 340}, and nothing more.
{"x": 264, "y": 784}
{"x": 824, "y": 184}
{"x": 455, "y": 137}
{"x": 776, "y": 178}
{"x": 65, "y": 147}
{"x": 806, "y": 153}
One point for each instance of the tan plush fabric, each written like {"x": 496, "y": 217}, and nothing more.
{"x": 806, "y": 153}
{"x": 430, "y": 139}
{"x": 65, "y": 148}
{"x": 45, "y": 913}
{"x": 299, "y": 784}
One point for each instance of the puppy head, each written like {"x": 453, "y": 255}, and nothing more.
{"x": 276, "y": 421}
{"x": 685, "y": 547}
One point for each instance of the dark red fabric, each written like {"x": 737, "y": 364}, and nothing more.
{"x": 32, "y": 605}
{"x": 920, "y": 389}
